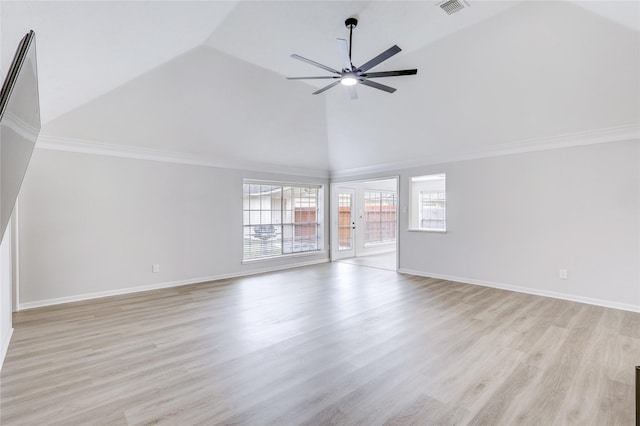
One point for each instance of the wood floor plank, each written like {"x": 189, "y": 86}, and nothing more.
{"x": 328, "y": 344}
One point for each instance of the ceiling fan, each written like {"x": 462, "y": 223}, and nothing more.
{"x": 351, "y": 75}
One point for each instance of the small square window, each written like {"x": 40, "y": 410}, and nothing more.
{"x": 428, "y": 203}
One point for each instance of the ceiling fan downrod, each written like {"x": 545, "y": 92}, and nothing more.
{"x": 351, "y": 23}
{"x": 349, "y": 75}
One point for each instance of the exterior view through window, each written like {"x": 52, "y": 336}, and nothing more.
{"x": 345, "y": 203}
{"x": 380, "y": 217}
{"x": 428, "y": 203}
{"x": 280, "y": 219}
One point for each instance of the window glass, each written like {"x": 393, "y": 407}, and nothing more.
{"x": 428, "y": 203}
{"x": 280, "y": 220}
{"x": 379, "y": 217}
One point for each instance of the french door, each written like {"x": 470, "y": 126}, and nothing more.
{"x": 344, "y": 226}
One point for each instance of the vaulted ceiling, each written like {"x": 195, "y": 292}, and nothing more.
{"x": 207, "y": 79}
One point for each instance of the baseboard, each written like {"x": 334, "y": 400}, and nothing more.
{"x": 5, "y": 348}
{"x": 158, "y": 286}
{"x": 528, "y": 290}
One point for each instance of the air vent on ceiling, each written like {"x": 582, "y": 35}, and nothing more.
{"x": 453, "y": 6}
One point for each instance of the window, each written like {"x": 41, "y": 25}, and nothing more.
{"x": 428, "y": 203}
{"x": 379, "y": 217}
{"x": 280, "y": 219}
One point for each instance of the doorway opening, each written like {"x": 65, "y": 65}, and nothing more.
{"x": 364, "y": 223}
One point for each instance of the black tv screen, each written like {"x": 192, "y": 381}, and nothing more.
{"x": 19, "y": 124}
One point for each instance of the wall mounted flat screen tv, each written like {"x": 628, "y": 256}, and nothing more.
{"x": 19, "y": 124}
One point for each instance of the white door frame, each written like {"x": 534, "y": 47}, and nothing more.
{"x": 336, "y": 253}
{"x": 334, "y": 213}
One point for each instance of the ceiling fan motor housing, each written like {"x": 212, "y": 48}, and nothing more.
{"x": 350, "y": 75}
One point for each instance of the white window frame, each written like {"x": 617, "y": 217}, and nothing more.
{"x": 275, "y": 217}
{"x": 420, "y": 188}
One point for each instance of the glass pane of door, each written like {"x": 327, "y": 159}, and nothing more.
{"x": 345, "y": 208}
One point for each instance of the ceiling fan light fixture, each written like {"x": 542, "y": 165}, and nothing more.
{"x": 349, "y": 80}
{"x": 349, "y": 75}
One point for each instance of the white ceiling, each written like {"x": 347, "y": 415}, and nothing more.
{"x": 87, "y": 48}
{"x": 267, "y": 33}
{"x": 97, "y": 60}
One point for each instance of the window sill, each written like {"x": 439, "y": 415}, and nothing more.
{"x": 285, "y": 256}
{"x": 436, "y": 231}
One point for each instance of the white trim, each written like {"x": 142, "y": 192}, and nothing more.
{"x": 334, "y": 217}
{"x": 612, "y": 134}
{"x": 247, "y": 181}
{"x": 97, "y": 148}
{"x": 5, "y": 347}
{"x": 333, "y": 220}
{"x": 528, "y": 290}
{"x": 157, "y": 286}
{"x": 320, "y": 252}
{"x": 21, "y": 127}
{"x": 15, "y": 256}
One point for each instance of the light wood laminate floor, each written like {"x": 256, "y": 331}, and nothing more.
{"x": 329, "y": 344}
{"x": 380, "y": 261}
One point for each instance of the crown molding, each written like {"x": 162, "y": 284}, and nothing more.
{"x": 21, "y": 127}
{"x": 53, "y": 143}
{"x": 611, "y": 134}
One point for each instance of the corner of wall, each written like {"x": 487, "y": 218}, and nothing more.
{"x": 5, "y": 347}
{"x": 6, "y": 290}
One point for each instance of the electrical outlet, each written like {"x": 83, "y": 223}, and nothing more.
{"x": 562, "y": 274}
{"x": 155, "y": 268}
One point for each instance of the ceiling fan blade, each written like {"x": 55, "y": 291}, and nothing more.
{"x": 388, "y": 73}
{"x": 325, "y": 88}
{"x": 380, "y": 58}
{"x": 352, "y": 93}
{"x": 314, "y": 63}
{"x": 313, "y": 78}
{"x": 343, "y": 48}
{"x": 376, "y": 85}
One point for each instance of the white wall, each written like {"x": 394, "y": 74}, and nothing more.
{"x": 6, "y": 297}
{"x": 513, "y": 221}
{"x": 540, "y": 69}
{"x": 209, "y": 105}
{"x": 88, "y": 48}
{"x": 1, "y": 57}
{"x": 6, "y": 284}
{"x": 93, "y": 225}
